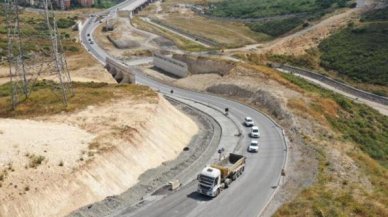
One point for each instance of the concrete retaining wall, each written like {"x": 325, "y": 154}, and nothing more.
{"x": 171, "y": 65}
{"x": 200, "y": 65}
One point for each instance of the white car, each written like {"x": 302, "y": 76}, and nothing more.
{"x": 253, "y": 146}
{"x": 255, "y": 132}
{"x": 248, "y": 122}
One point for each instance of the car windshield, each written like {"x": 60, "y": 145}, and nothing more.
{"x": 255, "y": 130}
{"x": 254, "y": 144}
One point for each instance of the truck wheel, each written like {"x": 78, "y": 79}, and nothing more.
{"x": 218, "y": 192}
{"x": 241, "y": 171}
{"x": 227, "y": 183}
{"x": 234, "y": 177}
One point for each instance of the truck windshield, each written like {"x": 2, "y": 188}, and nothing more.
{"x": 206, "y": 180}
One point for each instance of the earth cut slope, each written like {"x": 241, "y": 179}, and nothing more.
{"x": 52, "y": 165}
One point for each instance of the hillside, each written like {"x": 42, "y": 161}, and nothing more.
{"x": 278, "y": 17}
{"x": 32, "y": 28}
{"x": 266, "y": 8}
{"x": 81, "y": 65}
{"x": 360, "y": 51}
{"x": 54, "y": 159}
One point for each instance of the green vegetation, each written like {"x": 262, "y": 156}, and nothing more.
{"x": 180, "y": 42}
{"x": 280, "y": 12}
{"x": 106, "y": 3}
{"x": 377, "y": 15}
{"x": 266, "y": 8}
{"x": 64, "y": 23}
{"x": 45, "y": 99}
{"x": 276, "y": 27}
{"x": 320, "y": 200}
{"x": 333, "y": 195}
{"x": 357, "y": 122}
{"x": 308, "y": 60}
{"x": 358, "y": 52}
{"x": 34, "y": 35}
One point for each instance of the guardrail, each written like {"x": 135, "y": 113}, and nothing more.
{"x": 336, "y": 84}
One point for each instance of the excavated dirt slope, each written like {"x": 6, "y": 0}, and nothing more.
{"x": 52, "y": 165}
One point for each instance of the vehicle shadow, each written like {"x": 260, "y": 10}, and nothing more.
{"x": 197, "y": 196}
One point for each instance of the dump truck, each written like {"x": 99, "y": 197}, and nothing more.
{"x": 218, "y": 176}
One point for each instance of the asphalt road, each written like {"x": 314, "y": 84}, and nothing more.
{"x": 249, "y": 195}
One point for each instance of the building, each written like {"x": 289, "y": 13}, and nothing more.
{"x": 86, "y": 3}
{"x": 61, "y": 4}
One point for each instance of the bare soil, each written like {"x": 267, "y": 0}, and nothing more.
{"x": 54, "y": 164}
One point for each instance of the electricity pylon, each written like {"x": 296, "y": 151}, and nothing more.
{"x": 24, "y": 73}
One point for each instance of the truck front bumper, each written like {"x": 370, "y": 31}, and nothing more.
{"x": 207, "y": 193}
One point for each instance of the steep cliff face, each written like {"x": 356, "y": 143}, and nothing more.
{"x": 87, "y": 155}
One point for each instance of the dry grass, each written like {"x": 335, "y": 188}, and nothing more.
{"x": 350, "y": 183}
{"x": 273, "y": 74}
{"x": 304, "y": 109}
{"x": 226, "y": 33}
{"x": 180, "y": 42}
{"x": 45, "y": 101}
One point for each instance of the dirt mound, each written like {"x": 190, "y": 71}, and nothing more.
{"x": 123, "y": 43}
{"x": 230, "y": 90}
{"x": 163, "y": 42}
{"x": 260, "y": 98}
{"x": 265, "y": 99}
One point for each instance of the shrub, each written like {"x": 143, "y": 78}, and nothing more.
{"x": 64, "y": 23}
{"x": 36, "y": 160}
{"x": 276, "y": 27}
{"x": 265, "y": 8}
{"x": 360, "y": 53}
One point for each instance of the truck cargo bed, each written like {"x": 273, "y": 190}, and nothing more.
{"x": 229, "y": 161}
{"x": 230, "y": 164}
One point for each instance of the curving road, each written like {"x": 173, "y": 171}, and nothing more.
{"x": 250, "y": 194}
